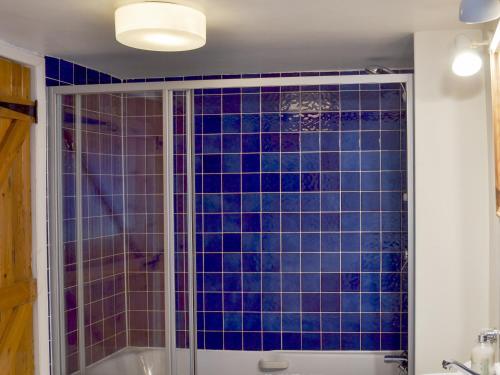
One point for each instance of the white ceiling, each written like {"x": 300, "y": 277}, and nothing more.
{"x": 243, "y": 36}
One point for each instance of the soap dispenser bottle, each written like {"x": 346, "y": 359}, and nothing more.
{"x": 483, "y": 356}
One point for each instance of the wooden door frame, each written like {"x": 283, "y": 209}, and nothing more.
{"x": 38, "y": 198}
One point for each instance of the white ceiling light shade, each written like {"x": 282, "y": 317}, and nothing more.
{"x": 159, "y": 26}
{"x": 467, "y": 60}
{"x": 478, "y": 11}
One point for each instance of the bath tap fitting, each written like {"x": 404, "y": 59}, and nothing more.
{"x": 447, "y": 365}
{"x": 400, "y": 359}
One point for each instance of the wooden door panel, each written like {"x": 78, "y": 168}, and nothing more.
{"x": 17, "y": 286}
{"x": 19, "y": 293}
{"x": 14, "y": 79}
{"x": 4, "y": 126}
{"x": 13, "y": 336}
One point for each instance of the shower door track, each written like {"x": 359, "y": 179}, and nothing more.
{"x": 167, "y": 88}
{"x": 239, "y": 82}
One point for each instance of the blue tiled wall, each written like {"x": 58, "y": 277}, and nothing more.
{"x": 300, "y": 218}
{"x": 59, "y": 72}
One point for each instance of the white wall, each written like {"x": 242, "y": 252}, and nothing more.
{"x": 452, "y": 204}
{"x": 494, "y": 219}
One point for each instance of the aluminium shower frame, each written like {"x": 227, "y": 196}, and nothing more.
{"x": 167, "y": 89}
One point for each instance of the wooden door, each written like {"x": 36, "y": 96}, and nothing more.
{"x": 17, "y": 286}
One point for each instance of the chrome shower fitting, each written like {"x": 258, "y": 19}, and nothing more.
{"x": 400, "y": 359}
{"x": 378, "y": 69}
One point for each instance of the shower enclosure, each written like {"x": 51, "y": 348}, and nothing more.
{"x": 222, "y": 225}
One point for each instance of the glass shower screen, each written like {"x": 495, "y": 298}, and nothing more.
{"x": 121, "y": 289}
{"x": 213, "y": 226}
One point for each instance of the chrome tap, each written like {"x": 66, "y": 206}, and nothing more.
{"x": 401, "y": 360}
{"x": 447, "y": 365}
{"x": 491, "y": 335}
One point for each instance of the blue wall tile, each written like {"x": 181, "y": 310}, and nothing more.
{"x": 300, "y": 217}
{"x": 52, "y": 68}
{"x": 62, "y": 72}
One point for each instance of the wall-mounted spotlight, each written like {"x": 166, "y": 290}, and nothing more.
{"x": 467, "y": 60}
{"x": 478, "y": 11}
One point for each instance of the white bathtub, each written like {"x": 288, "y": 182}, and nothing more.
{"x": 131, "y": 361}
{"x": 144, "y": 361}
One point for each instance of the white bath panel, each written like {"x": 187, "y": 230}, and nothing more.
{"x": 224, "y": 362}
{"x": 144, "y": 361}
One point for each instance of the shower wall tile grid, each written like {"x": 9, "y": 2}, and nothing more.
{"x": 111, "y": 126}
{"x": 99, "y": 341}
{"x": 301, "y": 221}
{"x": 102, "y": 229}
{"x": 102, "y": 226}
{"x": 143, "y": 159}
{"x": 366, "y": 310}
{"x": 60, "y": 72}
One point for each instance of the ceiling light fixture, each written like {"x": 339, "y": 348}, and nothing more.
{"x": 159, "y": 26}
{"x": 478, "y": 11}
{"x": 467, "y": 60}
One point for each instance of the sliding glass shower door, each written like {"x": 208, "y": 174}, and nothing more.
{"x": 118, "y": 280}
{"x": 201, "y": 230}
{"x": 92, "y": 259}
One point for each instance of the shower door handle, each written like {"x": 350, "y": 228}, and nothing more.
{"x": 272, "y": 365}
